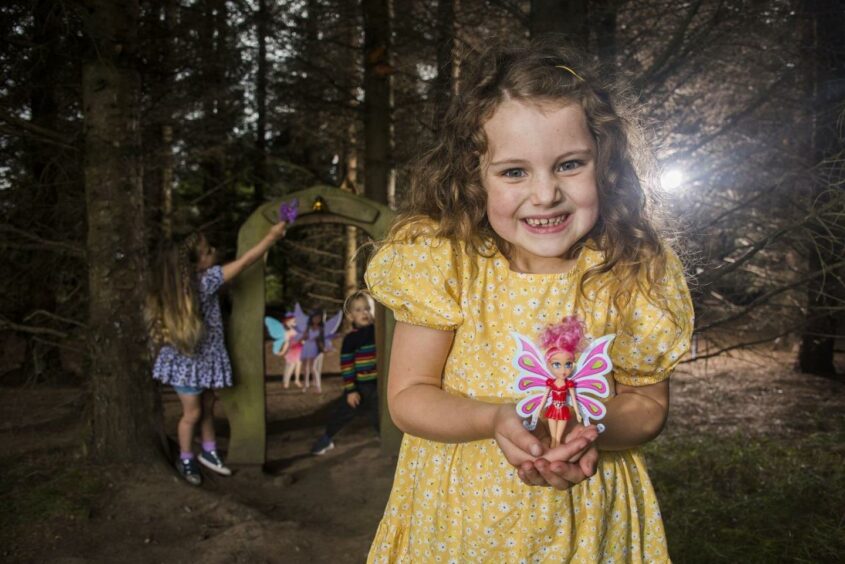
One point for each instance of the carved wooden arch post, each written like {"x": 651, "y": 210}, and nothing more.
{"x": 245, "y": 402}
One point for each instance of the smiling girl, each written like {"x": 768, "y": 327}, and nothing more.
{"x": 526, "y": 210}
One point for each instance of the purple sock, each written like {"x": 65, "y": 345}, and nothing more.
{"x": 208, "y": 446}
{"x": 186, "y": 455}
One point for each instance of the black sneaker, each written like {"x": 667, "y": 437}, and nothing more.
{"x": 211, "y": 460}
{"x": 190, "y": 470}
{"x": 323, "y": 444}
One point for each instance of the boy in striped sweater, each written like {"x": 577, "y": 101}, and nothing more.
{"x": 358, "y": 368}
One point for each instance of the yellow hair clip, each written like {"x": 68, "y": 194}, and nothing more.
{"x": 570, "y": 71}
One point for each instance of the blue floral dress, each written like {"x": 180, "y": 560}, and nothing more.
{"x": 209, "y": 367}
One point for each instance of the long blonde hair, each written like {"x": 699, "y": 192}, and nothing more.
{"x": 446, "y": 183}
{"x": 172, "y": 312}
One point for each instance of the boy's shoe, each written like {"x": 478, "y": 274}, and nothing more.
{"x": 190, "y": 471}
{"x": 211, "y": 460}
{"x": 323, "y": 444}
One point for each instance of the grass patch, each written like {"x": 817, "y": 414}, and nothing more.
{"x": 32, "y": 491}
{"x": 750, "y": 500}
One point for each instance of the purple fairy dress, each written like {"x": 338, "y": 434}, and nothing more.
{"x": 309, "y": 345}
{"x": 209, "y": 367}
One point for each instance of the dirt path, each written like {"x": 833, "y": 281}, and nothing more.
{"x": 307, "y": 509}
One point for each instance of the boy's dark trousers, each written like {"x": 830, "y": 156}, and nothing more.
{"x": 343, "y": 413}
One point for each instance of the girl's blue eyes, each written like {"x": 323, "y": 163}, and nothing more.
{"x": 569, "y": 165}
{"x": 566, "y": 166}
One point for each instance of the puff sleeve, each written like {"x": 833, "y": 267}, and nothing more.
{"x": 419, "y": 280}
{"x": 653, "y": 335}
{"x": 211, "y": 280}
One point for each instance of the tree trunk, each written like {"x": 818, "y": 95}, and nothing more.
{"x": 443, "y": 84}
{"x": 43, "y": 360}
{"x": 216, "y": 202}
{"x": 826, "y": 63}
{"x": 606, "y": 34}
{"x": 260, "y": 164}
{"x": 126, "y": 415}
{"x": 158, "y": 131}
{"x": 566, "y": 17}
{"x": 351, "y": 183}
{"x": 378, "y": 128}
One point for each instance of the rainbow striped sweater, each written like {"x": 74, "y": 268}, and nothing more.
{"x": 358, "y": 357}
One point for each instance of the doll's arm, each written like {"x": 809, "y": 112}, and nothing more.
{"x": 232, "y": 269}
{"x": 635, "y": 415}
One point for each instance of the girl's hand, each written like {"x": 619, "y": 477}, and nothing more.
{"x": 278, "y": 230}
{"x": 517, "y": 443}
{"x": 565, "y": 465}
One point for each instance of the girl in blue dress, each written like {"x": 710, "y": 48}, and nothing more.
{"x": 183, "y": 316}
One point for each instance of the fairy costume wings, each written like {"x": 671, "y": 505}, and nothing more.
{"x": 277, "y": 332}
{"x": 588, "y": 378}
{"x": 330, "y": 327}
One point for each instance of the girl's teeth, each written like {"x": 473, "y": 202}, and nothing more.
{"x": 545, "y": 221}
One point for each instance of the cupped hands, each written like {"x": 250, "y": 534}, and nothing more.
{"x": 571, "y": 462}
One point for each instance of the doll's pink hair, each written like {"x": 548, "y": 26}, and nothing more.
{"x": 565, "y": 336}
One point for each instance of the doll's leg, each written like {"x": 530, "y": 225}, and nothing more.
{"x": 558, "y": 434}
{"x": 554, "y": 436}
{"x": 318, "y": 372}
{"x": 307, "y": 369}
{"x": 191, "y": 415}
{"x": 297, "y": 371}
{"x": 287, "y": 374}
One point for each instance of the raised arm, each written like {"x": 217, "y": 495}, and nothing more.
{"x": 232, "y": 269}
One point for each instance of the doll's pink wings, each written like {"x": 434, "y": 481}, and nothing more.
{"x": 590, "y": 380}
{"x": 531, "y": 376}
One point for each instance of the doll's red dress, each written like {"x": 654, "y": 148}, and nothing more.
{"x": 558, "y": 409}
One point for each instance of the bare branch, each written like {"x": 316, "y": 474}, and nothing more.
{"x": 31, "y": 329}
{"x": 769, "y": 295}
{"x": 70, "y": 248}
{"x": 42, "y": 133}
{"x": 42, "y": 312}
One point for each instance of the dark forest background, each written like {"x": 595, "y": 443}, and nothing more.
{"x": 123, "y": 123}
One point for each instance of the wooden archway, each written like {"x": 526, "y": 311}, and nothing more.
{"x": 245, "y": 402}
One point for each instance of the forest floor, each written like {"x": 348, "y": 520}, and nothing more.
{"x": 56, "y": 508}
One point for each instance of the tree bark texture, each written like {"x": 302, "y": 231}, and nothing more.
{"x": 158, "y": 129}
{"x": 605, "y": 25}
{"x": 260, "y": 165}
{"x": 567, "y": 17}
{"x": 443, "y": 84}
{"x": 126, "y": 415}
{"x": 826, "y": 61}
{"x": 378, "y": 129}
{"x": 44, "y": 166}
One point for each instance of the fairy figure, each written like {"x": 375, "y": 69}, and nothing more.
{"x": 316, "y": 333}
{"x": 556, "y": 382}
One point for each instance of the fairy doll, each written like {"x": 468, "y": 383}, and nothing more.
{"x": 564, "y": 382}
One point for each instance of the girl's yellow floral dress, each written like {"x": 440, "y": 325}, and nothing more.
{"x": 464, "y": 502}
